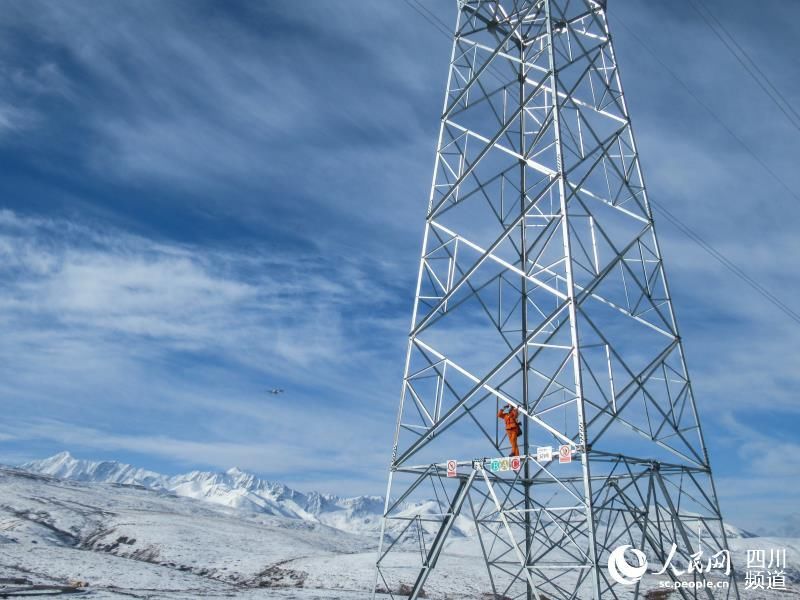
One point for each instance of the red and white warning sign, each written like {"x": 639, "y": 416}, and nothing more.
{"x": 452, "y": 468}
{"x": 564, "y": 454}
{"x": 515, "y": 463}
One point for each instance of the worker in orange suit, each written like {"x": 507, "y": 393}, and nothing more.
{"x": 509, "y": 415}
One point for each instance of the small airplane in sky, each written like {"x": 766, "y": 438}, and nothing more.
{"x": 275, "y": 391}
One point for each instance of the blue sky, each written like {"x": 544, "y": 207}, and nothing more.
{"x": 202, "y": 201}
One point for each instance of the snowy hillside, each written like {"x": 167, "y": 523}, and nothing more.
{"x": 134, "y": 533}
{"x": 123, "y": 539}
{"x": 128, "y": 541}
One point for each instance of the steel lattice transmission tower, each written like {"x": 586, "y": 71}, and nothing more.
{"x": 541, "y": 285}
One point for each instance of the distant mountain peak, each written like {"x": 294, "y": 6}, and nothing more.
{"x": 234, "y": 487}
{"x": 62, "y": 457}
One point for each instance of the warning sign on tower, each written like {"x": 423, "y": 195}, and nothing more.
{"x": 452, "y": 468}
{"x": 564, "y": 454}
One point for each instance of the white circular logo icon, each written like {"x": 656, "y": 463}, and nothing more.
{"x": 621, "y": 571}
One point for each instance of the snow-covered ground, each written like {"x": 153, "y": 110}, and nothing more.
{"x": 127, "y": 540}
{"x": 134, "y": 533}
{"x": 124, "y": 539}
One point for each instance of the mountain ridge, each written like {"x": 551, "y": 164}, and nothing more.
{"x": 239, "y": 489}
{"x": 234, "y": 488}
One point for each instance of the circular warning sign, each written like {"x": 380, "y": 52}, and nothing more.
{"x": 564, "y": 454}
{"x": 452, "y": 468}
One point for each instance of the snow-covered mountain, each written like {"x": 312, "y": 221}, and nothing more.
{"x": 234, "y": 488}
{"x": 239, "y": 489}
{"x": 133, "y": 541}
{"x": 131, "y": 532}
{"x": 123, "y": 541}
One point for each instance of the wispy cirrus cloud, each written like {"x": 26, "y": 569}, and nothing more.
{"x": 111, "y": 283}
{"x": 107, "y": 328}
{"x": 767, "y": 460}
{"x": 251, "y": 109}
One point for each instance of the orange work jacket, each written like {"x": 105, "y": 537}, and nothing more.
{"x": 510, "y": 418}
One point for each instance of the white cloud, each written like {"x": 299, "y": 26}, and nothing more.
{"x": 105, "y": 283}
{"x": 243, "y": 123}
{"x": 167, "y": 350}
{"x": 14, "y": 118}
